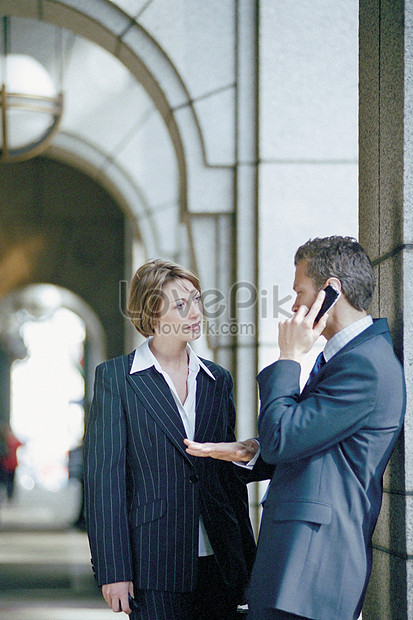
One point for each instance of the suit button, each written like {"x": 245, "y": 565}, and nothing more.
{"x": 194, "y": 478}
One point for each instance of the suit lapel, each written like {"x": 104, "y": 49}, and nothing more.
{"x": 155, "y": 395}
{"x": 379, "y": 327}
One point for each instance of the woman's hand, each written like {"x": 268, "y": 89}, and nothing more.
{"x": 116, "y": 595}
{"x": 224, "y": 451}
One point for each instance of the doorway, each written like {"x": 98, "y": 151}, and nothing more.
{"x": 58, "y": 338}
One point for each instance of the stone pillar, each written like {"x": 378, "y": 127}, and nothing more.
{"x": 246, "y": 216}
{"x": 246, "y": 259}
{"x": 385, "y": 221}
{"x": 5, "y": 363}
{"x": 307, "y": 145}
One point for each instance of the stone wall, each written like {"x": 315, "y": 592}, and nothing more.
{"x": 386, "y": 71}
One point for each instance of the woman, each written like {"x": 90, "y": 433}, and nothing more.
{"x": 170, "y": 534}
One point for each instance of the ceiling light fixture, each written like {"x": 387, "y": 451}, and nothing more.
{"x": 31, "y": 108}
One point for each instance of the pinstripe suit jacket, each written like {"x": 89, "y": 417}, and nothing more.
{"x": 144, "y": 494}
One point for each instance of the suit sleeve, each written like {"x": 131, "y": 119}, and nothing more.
{"x": 105, "y": 482}
{"x": 291, "y": 429}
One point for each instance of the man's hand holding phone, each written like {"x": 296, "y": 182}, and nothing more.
{"x": 297, "y": 334}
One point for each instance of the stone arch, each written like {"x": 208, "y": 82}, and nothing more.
{"x": 61, "y": 227}
{"x": 111, "y": 28}
{"x": 117, "y": 183}
{"x": 202, "y": 214}
{"x": 31, "y": 296}
{"x": 38, "y": 395}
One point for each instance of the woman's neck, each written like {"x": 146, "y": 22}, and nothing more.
{"x": 169, "y": 354}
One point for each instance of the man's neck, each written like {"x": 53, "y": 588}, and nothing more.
{"x": 339, "y": 321}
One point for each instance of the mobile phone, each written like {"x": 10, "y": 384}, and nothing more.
{"x": 332, "y": 295}
{"x": 133, "y": 603}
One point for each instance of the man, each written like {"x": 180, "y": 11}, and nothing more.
{"x": 330, "y": 443}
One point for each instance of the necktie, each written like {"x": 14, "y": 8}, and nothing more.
{"x": 319, "y": 363}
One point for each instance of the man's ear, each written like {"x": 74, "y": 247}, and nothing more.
{"x": 335, "y": 282}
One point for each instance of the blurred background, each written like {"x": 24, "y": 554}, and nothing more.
{"x": 221, "y": 135}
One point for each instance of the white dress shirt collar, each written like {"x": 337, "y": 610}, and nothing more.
{"x": 144, "y": 358}
{"x": 343, "y": 337}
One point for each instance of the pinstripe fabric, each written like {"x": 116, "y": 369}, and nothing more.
{"x": 144, "y": 494}
{"x": 211, "y": 600}
{"x": 158, "y": 605}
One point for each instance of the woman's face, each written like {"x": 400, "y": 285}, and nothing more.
{"x": 181, "y": 311}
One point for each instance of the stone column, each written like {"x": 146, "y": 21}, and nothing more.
{"x": 5, "y": 363}
{"x": 246, "y": 215}
{"x": 385, "y": 188}
{"x": 246, "y": 259}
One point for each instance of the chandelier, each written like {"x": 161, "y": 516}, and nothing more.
{"x": 31, "y": 108}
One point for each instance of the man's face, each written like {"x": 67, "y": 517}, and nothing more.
{"x": 304, "y": 287}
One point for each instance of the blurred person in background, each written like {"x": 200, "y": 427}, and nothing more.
{"x": 9, "y": 462}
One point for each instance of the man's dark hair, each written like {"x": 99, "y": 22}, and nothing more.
{"x": 342, "y": 258}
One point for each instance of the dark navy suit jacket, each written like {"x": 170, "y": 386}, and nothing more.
{"x": 144, "y": 493}
{"x": 330, "y": 446}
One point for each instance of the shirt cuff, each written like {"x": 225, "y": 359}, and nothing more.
{"x": 252, "y": 462}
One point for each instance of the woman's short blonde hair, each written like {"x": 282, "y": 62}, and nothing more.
{"x": 145, "y": 295}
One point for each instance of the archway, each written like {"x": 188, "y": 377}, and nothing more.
{"x": 58, "y": 340}
{"x": 183, "y": 196}
{"x": 59, "y": 226}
